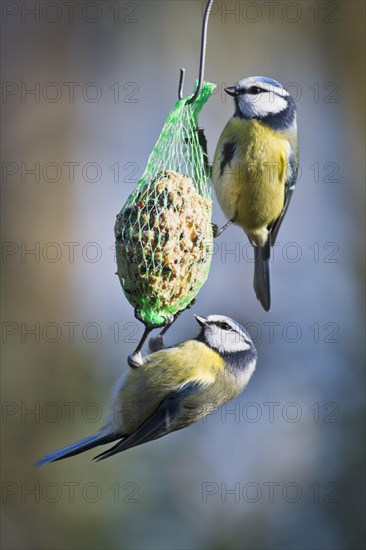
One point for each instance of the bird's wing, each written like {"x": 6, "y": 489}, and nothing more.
{"x": 289, "y": 189}
{"x": 158, "y": 424}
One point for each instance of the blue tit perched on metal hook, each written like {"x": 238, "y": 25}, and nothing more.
{"x": 255, "y": 168}
{"x": 174, "y": 388}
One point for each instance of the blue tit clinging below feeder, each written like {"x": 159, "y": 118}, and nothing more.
{"x": 255, "y": 168}
{"x": 174, "y": 388}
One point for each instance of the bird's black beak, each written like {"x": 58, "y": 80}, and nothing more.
{"x": 201, "y": 320}
{"x": 231, "y": 90}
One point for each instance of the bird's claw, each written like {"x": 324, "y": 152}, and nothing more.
{"x": 157, "y": 343}
{"x": 135, "y": 360}
{"x": 215, "y": 230}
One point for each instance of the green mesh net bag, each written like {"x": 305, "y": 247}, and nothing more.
{"x": 164, "y": 232}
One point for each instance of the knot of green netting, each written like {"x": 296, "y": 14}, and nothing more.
{"x": 164, "y": 232}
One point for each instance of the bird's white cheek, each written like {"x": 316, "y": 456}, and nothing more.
{"x": 263, "y": 104}
{"x": 227, "y": 342}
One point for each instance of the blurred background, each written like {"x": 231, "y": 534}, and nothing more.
{"x": 86, "y": 89}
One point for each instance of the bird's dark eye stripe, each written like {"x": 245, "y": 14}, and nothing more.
{"x": 254, "y": 90}
{"x": 221, "y": 324}
{"x": 224, "y": 326}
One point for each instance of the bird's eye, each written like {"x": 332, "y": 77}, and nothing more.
{"x": 225, "y": 326}
{"x": 254, "y": 90}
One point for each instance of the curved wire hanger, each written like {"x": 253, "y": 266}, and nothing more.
{"x": 202, "y": 59}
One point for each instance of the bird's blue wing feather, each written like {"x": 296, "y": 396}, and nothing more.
{"x": 158, "y": 424}
{"x": 289, "y": 189}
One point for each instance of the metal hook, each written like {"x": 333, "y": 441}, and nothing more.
{"x": 202, "y": 59}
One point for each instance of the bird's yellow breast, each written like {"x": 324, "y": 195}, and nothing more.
{"x": 251, "y": 186}
{"x": 147, "y": 386}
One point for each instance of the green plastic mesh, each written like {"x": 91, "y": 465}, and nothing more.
{"x": 164, "y": 232}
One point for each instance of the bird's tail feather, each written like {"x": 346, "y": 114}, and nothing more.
{"x": 76, "y": 448}
{"x": 262, "y": 279}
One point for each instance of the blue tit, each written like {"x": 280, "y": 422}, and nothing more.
{"x": 174, "y": 388}
{"x": 255, "y": 168}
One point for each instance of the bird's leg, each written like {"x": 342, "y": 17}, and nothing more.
{"x": 217, "y": 231}
{"x": 157, "y": 343}
{"x": 135, "y": 360}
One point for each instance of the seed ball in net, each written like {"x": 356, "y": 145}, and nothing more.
{"x": 163, "y": 237}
